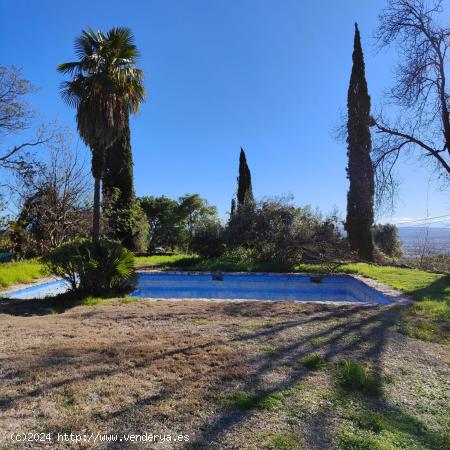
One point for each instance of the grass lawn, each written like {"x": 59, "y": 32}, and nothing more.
{"x": 20, "y": 272}
{"x": 166, "y": 261}
{"x": 336, "y": 377}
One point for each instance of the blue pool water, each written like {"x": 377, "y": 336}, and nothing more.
{"x": 291, "y": 287}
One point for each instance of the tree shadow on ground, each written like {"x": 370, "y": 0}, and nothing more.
{"x": 427, "y": 317}
{"x": 333, "y": 343}
{"x": 439, "y": 290}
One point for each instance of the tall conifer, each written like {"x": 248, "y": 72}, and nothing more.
{"x": 360, "y": 169}
{"x": 244, "y": 191}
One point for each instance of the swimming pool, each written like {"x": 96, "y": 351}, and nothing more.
{"x": 233, "y": 286}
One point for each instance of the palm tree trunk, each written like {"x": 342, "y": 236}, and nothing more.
{"x": 96, "y": 215}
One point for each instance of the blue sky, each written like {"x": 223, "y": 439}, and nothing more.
{"x": 270, "y": 76}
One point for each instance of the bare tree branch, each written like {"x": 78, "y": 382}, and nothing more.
{"x": 420, "y": 90}
{"x": 409, "y": 139}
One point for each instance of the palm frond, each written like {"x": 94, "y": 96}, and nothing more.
{"x": 70, "y": 94}
{"x": 83, "y": 47}
{"x": 71, "y": 68}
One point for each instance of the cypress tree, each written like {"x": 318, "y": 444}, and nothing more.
{"x": 233, "y": 207}
{"x": 360, "y": 169}
{"x": 244, "y": 191}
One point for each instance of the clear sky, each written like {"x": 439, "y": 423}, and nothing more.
{"x": 267, "y": 75}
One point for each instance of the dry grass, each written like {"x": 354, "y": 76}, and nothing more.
{"x": 176, "y": 367}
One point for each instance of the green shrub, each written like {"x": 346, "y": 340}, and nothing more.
{"x": 315, "y": 361}
{"x": 208, "y": 241}
{"x": 387, "y": 239}
{"x": 93, "y": 268}
{"x": 352, "y": 375}
{"x": 280, "y": 233}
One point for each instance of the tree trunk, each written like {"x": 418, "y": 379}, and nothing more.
{"x": 96, "y": 215}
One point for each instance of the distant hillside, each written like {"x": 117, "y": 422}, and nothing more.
{"x": 433, "y": 240}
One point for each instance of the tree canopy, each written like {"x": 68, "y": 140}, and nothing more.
{"x": 105, "y": 87}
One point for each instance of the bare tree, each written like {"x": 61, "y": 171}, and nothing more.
{"x": 53, "y": 199}
{"x": 16, "y": 116}
{"x": 420, "y": 92}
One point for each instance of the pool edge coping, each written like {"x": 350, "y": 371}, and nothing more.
{"x": 20, "y": 286}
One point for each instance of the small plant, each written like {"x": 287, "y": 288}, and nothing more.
{"x": 361, "y": 441}
{"x": 128, "y": 299}
{"x": 314, "y": 361}
{"x": 354, "y": 376}
{"x": 283, "y": 442}
{"x": 374, "y": 422}
{"x": 93, "y": 267}
{"x": 248, "y": 327}
{"x": 89, "y": 301}
{"x": 270, "y": 323}
{"x": 69, "y": 399}
{"x": 254, "y": 400}
{"x": 320, "y": 340}
{"x": 202, "y": 322}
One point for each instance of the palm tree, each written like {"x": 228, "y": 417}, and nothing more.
{"x": 106, "y": 86}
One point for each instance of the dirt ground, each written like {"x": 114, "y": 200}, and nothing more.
{"x": 224, "y": 375}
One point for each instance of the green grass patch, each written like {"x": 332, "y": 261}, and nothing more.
{"x": 388, "y": 431}
{"x": 128, "y": 299}
{"x": 357, "y": 440}
{"x": 320, "y": 340}
{"x": 248, "y": 326}
{"x": 314, "y": 361}
{"x": 168, "y": 261}
{"x": 372, "y": 421}
{"x": 354, "y": 376}
{"x": 20, "y": 272}
{"x": 202, "y": 322}
{"x": 270, "y": 323}
{"x": 89, "y": 301}
{"x": 257, "y": 400}
{"x": 194, "y": 262}
{"x": 283, "y": 442}
{"x": 432, "y": 309}
{"x": 224, "y": 265}
{"x": 268, "y": 349}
